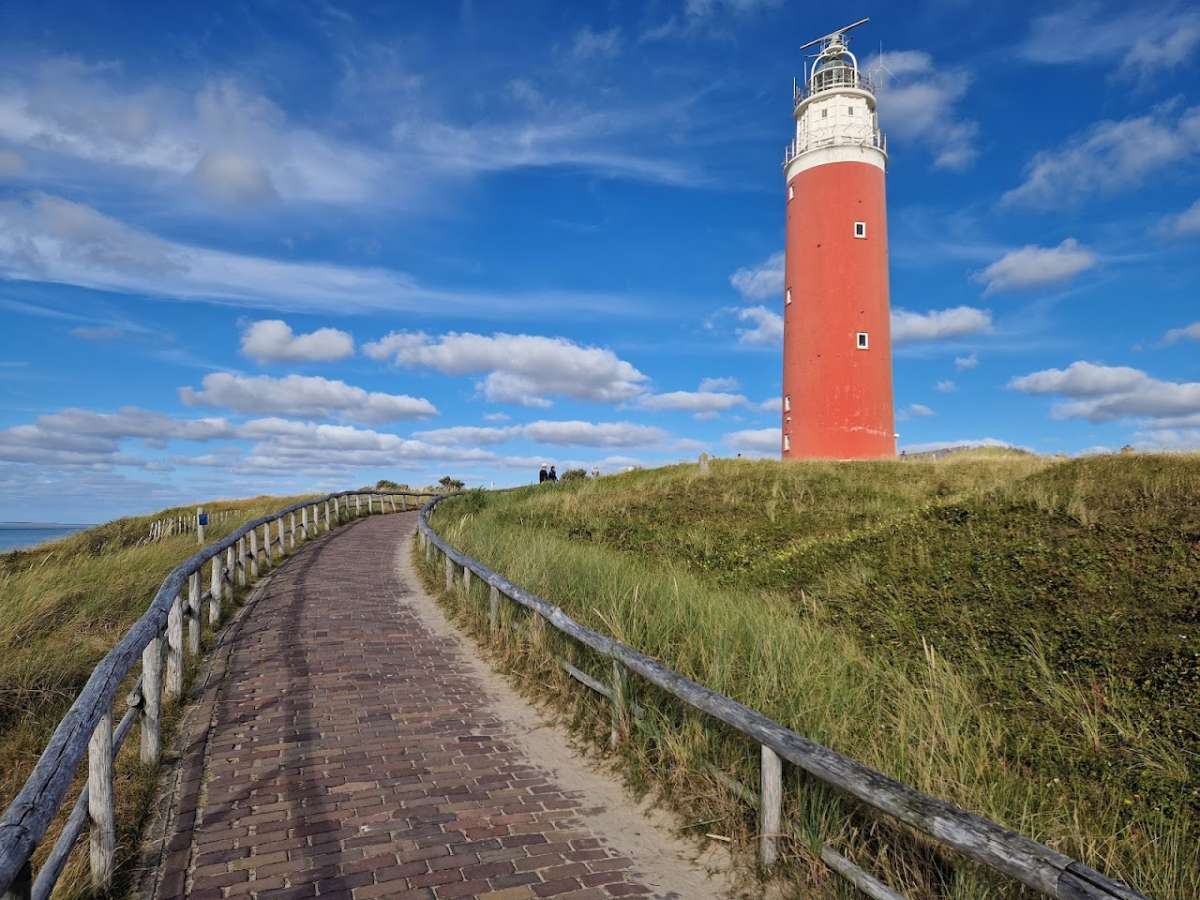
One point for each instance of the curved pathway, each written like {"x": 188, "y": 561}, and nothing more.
{"x": 346, "y": 747}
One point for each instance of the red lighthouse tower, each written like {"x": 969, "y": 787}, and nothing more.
{"x": 837, "y": 354}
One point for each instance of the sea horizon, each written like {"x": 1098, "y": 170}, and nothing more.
{"x": 23, "y": 535}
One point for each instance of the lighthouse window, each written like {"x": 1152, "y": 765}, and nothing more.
{"x": 850, "y": 109}
{"x": 787, "y": 296}
{"x": 791, "y": 192}
{"x": 787, "y": 442}
{"x": 787, "y": 403}
{"x": 824, "y": 114}
{"x": 860, "y": 229}
{"x": 863, "y": 340}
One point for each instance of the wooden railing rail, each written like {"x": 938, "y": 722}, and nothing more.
{"x": 87, "y": 726}
{"x": 1033, "y": 864}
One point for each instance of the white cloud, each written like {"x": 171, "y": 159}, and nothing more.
{"x": 496, "y": 417}
{"x": 919, "y": 101}
{"x": 946, "y": 386}
{"x": 590, "y": 44}
{"x": 962, "y": 363}
{"x": 301, "y": 395}
{"x": 1034, "y": 267}
{"x": 569, "y": 433}
{"x": 1110, "y": 156}
{"x": 939, "y": 324}
{"x": 234, "y": 178}
{"x": 719, "y": 384}
{"x": 760, "y": 282}
{"x": 1184, "y": 224}
{"x": 772, "y": 405}
{"x": 1104, "y": 393}
{"x": 767, "y": 326}
{"x": 963, "y": 443}
{"x": 1186, "y": 333}
{"x": 701, "y": 403}
{"x": 80, "y": 437}
{"x": 49, "y": 239}
{"x": 755, "y": 440}
{"x": 704, "y": 17}
{"x": 913, "y": 410}
{"x": 520, "y": 368}
{"x": 1147, "y": 40}
{"x": 1176, "y": 440}
{"x": 272, "y": 340}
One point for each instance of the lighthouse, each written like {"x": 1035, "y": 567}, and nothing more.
{"x": 837, "y": 354}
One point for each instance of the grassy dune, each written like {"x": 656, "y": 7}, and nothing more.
{"x": 62, "y": 606}
{"x": 1016, "y": 635}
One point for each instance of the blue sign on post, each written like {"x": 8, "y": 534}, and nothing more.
{"x": 203, "y": 518}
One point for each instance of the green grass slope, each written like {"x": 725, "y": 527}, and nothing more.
{"x": 1013, "y": 634}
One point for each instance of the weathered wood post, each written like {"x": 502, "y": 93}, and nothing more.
{"x": 292, "y": 531}
{"x": 493, "y": 611}
{"x": 620, "y": 716}
{"x": 241, "y": 561}
{"x": 268, "y": 548}
{"x": 703, "y": 463}
{"x": 174, "y": 680}
{"x": 304, "y": 523}
{"x": 357, "y": 507}
{"x": 449, "y": 571}
{"x": 770, "y": 809}
{"x": 392, "y": 501}
{"x": 253, "y": 552}
{"x": 328, "y": 526}
{"x": 466, "y": 582}
{"x": 193, "y": 613}
{"x": 279, "y": 536}
{"x": 216, "y": 590}
{"x": 201, "y": 520}
{"x": 151, "y": 706}
{"x": 404, "y": 502}
{"x": 103, "y": 830}
{"x": 231, "y": 568}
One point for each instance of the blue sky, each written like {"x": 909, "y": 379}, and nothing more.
{"x": 274, "y": 247}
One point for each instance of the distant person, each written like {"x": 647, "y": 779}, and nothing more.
{"x": 553, "y": 476}
{"x": 543, "y": 475}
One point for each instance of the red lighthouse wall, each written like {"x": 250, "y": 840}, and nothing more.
{"x": 840, "y": 396}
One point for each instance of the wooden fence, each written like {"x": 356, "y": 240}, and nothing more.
{"x": 182, "y": 524}
{"x": 1035, "y": 865}
{"x": 160, "y": 641}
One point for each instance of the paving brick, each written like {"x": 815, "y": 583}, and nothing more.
{"x": 326, "y": 763}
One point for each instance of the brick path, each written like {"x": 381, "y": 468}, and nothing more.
{"x": 346, "y": 752}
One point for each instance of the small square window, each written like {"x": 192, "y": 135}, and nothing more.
{"x": 863, "y": 340}
{"x": 791, "y": 192}
{"x": 787, "y": 403}
{"x": 824, "y": 114}
{"x": 850, "y": 110}
{"x": 787, "y": 296}
{"x": 787, "y": 442}
{"x": 860, "y": 229}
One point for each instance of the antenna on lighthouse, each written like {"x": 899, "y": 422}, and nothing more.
{"x": 837, "y": 33}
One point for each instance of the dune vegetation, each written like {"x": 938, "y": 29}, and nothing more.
{"x": 63, "y": 604}
{"x": 1015, "y": 634}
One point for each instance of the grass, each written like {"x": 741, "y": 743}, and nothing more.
{"x": 1010, "y": 633}
{"x": 62, "y": 606}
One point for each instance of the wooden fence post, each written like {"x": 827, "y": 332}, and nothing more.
{"x": 268, "y": 549}
{"x": 151, "y": 707}
{"x": 174, "y": 681}
{"x": 328, "y": 527}
{"x": 231, "y": 568}
{"x": 254, "y": 553}
{"x": 620, "y": 720}
{"x": 404, "y": 502}
{"x": 279, "y": 536}
{"x": 304, "y": 523}
{"x": 449, "y": 572}
{"x": 241, "y": 561}
{"x": 466, "y": 582}
{"x": 291, "y": 531}
{"x": 428, "y": 550}
{"x": 392, "y": 501}
{"x": 357, "y": 507}
{"x": 103, "y": 839}
{"x": 193, "y": 612}
{"x": 200, "y": 525}
{"x": 216, "y": 589}
{"x": 770, "y": 809}
{"x": 493, "y": 611}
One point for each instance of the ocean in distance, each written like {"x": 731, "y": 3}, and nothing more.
{"x": 18, "y": 535}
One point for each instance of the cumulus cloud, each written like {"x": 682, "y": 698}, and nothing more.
{"x": 1102, "y": 393}
{"x": 719, "y": 384}
{"x": 962, "y": 363}
{"x": 767, "y": 326}
{"x": 302, "y": 395}
{"x": 272, "y": 340}
{"x": 80, "y": 437}
{"x": 1034, "y": 267}
{"x": 568, "y": 433}
{"x": 1186, "y": 333}
{"x": 946, "y": 386}
{"x": 234, "y": 178}
{"x": 755, "y": 440}
{"x": 517, "y": 368}
{"x": 939, "y": 324}
{"x": 704, "y": 404}
{"x": 919, "y": 102}
{"x": 772, "y": 405}
{"x": 961, "y": 443}
{"x": 1184, "y": 224}
{"x": 760, "y": 282}
{"x": 1110, "y": 156}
